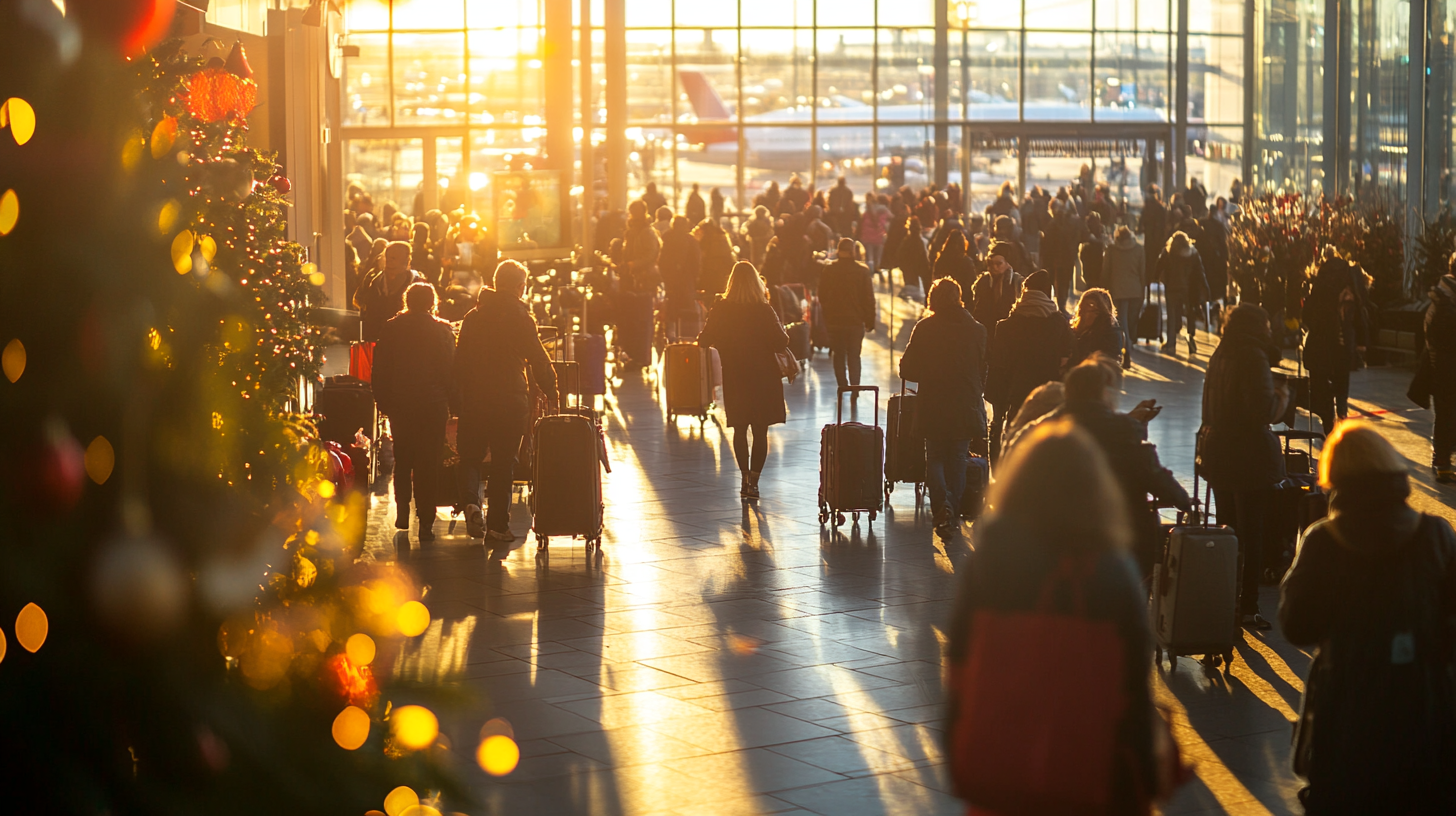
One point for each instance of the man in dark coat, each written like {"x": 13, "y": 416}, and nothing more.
{"x": 1237, "y": 453}
{"x": 1003, "y": 233}
{"x": 946, "y": 358}
{"x": 1091, "y": 390}
{"x": 1028, "y": 349}
{"x": 847, "y": 297}
{"x": 843, "y": 211}
{"x": 412, "y": 366}
{"x": 1213, "y": 249}
{"x": 381, "y": 295}
{"x": 1059, "y": 240}
{"x": 1334, "y": 314}
{"x": 995, "y": 290}
{"x": 1440, "y": 353}
{"x": 679, "y": 261}
{"x": 1153, "y": 225}
{"x": 695, "y": 209}
{"x": 498, "y": 343}
{"x": 796, "y": 195}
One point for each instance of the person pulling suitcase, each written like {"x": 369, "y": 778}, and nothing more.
{"x": 498, "y": 343}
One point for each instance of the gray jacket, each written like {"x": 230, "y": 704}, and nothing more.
{"x": 1124, "y": 269}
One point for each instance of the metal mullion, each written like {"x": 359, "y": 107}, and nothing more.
{"x": 1092, "y": 69}
{"x": 813, "y": 90}
{"x": 390, "y": 58}
{"x": 875, "y": 100}
{"x": 672, "y": 89}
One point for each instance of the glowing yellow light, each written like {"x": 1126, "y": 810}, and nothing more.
{"x": 399, "y": 800}
{"x": 9, "y": 211}
{"x": 164, "y": 135}
{"x": 31, "y": 628}
{"x": 13, "y": 359}
{"x": 208, "y": 246}
{"x": 2, "y": 645}
{"x": 413, "y": 619}
{"x": 181, "y": 249}
{"x": 360, "y": 649}
{"x": 326, "y": 489}
{"x": 414, "y": 727}
{"x": 498, "y": 755}
{"x": 100, "y": 459}
{"x": 132, "y": 149}
{"x": 420, "y": 810}
{"x": 351, "y": 728}
{"x": 310, "y": 271}
{"x": 167, "y": 218}
{"x": 20, "y": 116}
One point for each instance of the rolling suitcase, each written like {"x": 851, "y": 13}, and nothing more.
{"x": 635, "y": 324}
{"x": 590, "y": 353}
{"x": 1150, "y": 319}
{"x": 687, "y": 381}
{"x": 1195, "y": 603}
{"x": 818, "y": 329}
{"x": 851, "y": 463}
{"x": 904, "y": 449}
{"x": 799, "y": 340}
{"x": 566, "y": 494}
{"x": 978, "y": 481}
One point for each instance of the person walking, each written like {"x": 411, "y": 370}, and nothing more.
{"x": 412, "y": 367}
{"x": 1072, "y": 563}
{"x": 995, "y": 292}
{"x": 955, "y": 263}
{"x": 498, "y": 344}
{"x": 381, "y": 294}
{"x": 914, "y": 260}
{"x": 1334, "y": 314}
{"x": 1092, "y": 251}
{"x": 679, "y": 261}
{"x": 1237, "y": 453}
{"x": 695, "y": 209}
{"x": 1184, "y": 289}
{"x": 1059, "y": 242}
{"x": 1003, "y": 233}
{"x": 1028, "y": 348}
{"x": 1439, "y": 364}
{"x": 1153, "y": 224}
{"x": 1125, "y": 273}
{"x": 718, "y": 257}
{"x": 1094, "y": 329}
{"x": 759, "y": 230}
{"x": 847, "y": 299}
{"x": 946, "y": 359}
{"x": 843, "y": 212}
{"x": 1372, "y": 588}
{"x": 872, "y": 228}
{"x": 747, "y": 334}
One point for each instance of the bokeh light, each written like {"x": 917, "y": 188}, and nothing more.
{"x": 13, "y": 359}
{"x": 498, "y": 755}
{"x": 399, "y": 800}
{"x": 182, "y": 252}
{"x": 420, "y": 810}
{"x": 413, "y": 619}
{"x": 167, "y": 217}
{"x": 2, "y": 645}
{"x": 351, "y": 728}
{"x": 414, "y": 727}
{"x": 9, "y": 211}
{"x": 31, "y": 628}
{"x": 100, "y": 460}
{"x": 497, "y": 726}
{"x": 310, "y": 270}
{"x": 164, "y": 135}
{"x": 327, "y": 489}
{"x": 20, "y": 117}
{"x": 360, "y": 649}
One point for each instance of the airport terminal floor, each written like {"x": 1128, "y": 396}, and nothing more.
{"x": 734, "y": 659}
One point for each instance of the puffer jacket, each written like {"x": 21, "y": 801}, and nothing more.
{"x": 946, "y": 358}
{"x": 1124, "y": 269}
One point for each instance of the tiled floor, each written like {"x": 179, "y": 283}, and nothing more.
{"x": 731, "y": 659}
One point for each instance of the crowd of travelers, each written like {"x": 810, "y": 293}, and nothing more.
{"x": 1031, "y": 308}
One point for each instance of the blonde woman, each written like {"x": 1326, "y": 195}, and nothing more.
{"x": 746, "y": 332}
{"x": 1094, "y": 329}
{"x": 1373, "y": 588}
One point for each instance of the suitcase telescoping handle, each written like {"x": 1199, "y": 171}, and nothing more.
{"x": 852, "y": 389}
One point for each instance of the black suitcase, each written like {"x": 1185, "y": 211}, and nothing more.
{"x": 1150, "y": 319}
{"x": 566, "y": 493}
{"x": 1196, "y": 586}
{"x": 978, "y": 481}
{"x": 904, "y": 449}
{"x": 635, "y": 325}
{"x": 799, "y": 340}
{"x": 344, "y": 407}
{"x": 851, "y": 463}
{"x": 818, "y": 329}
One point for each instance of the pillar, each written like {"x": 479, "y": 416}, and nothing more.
{"x": 1178, "y": 178}
{"x": 942, "y": 92}
{"x": 588, "y": 118}
{"x": 615, "y": 57}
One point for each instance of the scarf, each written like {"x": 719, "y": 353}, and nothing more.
{"x": 1035, "y": 303}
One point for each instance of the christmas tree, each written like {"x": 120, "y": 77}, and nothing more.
{"x": 193, "y": 628}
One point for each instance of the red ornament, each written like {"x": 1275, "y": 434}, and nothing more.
{"x": 53, "y": 471}
{"x": 237, "y": 61}
{"x": 214, "y": 94}
{"x": 281, "y": 184}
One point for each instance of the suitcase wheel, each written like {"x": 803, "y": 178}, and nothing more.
{"x": 919, "y": 493}
{"x": 872, "y": 516}
{"x": 823, "y": 516}
{"x": 838, "y": 519}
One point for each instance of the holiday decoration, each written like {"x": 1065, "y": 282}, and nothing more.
{"x": 281, "y": 184}
{"x": 237, "y": 61}
{"x": 214, "y": 94}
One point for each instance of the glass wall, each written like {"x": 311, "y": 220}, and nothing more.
{"x": 741, "y": 93}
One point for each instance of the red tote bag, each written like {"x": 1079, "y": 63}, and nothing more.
{"x": 361, "y": 361}
{"x": 1039, "y": 699}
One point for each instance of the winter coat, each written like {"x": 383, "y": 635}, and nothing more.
{"x": 1237, "y": 450}
{"x": 1153, "y": 224}
{"x": 640, "y": 248}
{"x": 717, "y": 259}
{"x": 1092, "y": 253}
{"x": 412, "y": 365}
{"x": 1373, "y": 587}
{"x": 817, "y": 232}
{"x": 894, "y": 238}
{"x": 379, "y": 299}
{"x": 497, "y": 344}
{"x": 1335, "y": 317}
{"x": 759, "y": 231}
{"x": 679, "y": 261}
{"x": 1059, "y": 243}
{"x": 1102, "y": 336}
{"x": 746, "y": 336}
{"x": 989, "y": 305}
{"x": 1213, "y": 250}
{"x": 914, "y": 259}
{"x": 1006, "y": 572}
{"x": 1124, "y": 270}
{"x": 1027, "y": 350}
{"x": 946, "y": 358}
{"x": 1181, "y": 272}
{"x": 695, "y": 209}
{"x": 1015, "y": 254}
{"x": 873, "y": 225}
{"x": 847, "y": 295}
{"x": 962, "y": 269}
{"x": 1441, "y": 336}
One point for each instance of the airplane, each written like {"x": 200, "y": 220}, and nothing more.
{"x": 788, "y": 148}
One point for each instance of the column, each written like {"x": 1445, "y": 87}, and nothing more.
{"x": 616, "y": 99}
{"x": 1177, "y": 178}
{"x": 942, "y": 92}
{"x": 588, "y": 118}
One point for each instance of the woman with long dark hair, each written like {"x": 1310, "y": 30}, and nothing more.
{"x": 746, "y": 331}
